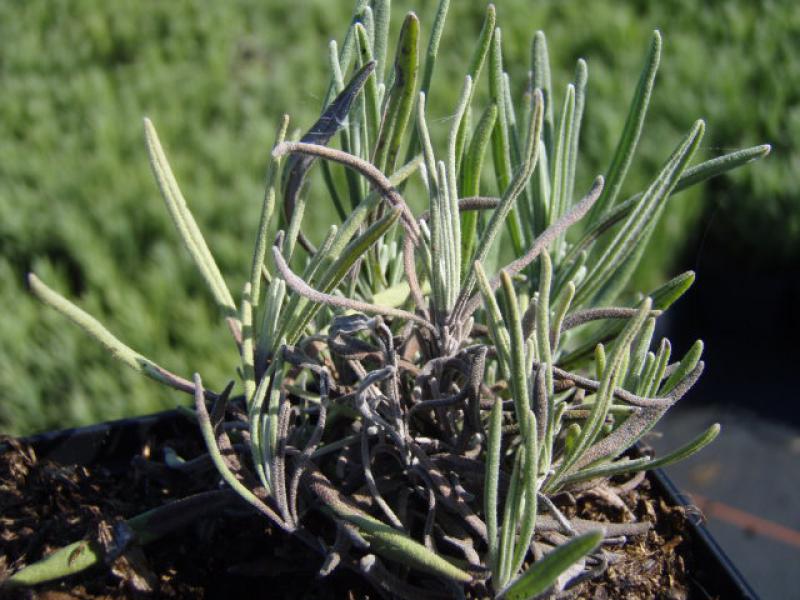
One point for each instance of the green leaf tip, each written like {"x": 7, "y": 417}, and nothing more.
{"x": 87, "y": 322}
{"x": 634, "y": 123}
{"x": 543, "y": 573}
{"x": 387, "y": 541}
{"x": 186, "y": 225}
{"x": 108, "y": 340}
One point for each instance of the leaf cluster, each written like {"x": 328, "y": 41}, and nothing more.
{"x": 430, "y": 411}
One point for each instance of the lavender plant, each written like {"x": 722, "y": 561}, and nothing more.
{"x": 429, "y": 411}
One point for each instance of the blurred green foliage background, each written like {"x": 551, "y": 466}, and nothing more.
{"x": 79, "y": 207}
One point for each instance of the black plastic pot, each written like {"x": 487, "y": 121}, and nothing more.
{"x": 714, "y": 574}
{"x": 111, "y": 445}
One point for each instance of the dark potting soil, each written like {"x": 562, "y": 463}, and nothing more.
{"x": 237, "y": 554}
{"x": 656, "y": 566}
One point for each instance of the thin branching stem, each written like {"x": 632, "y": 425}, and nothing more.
{"x": 302, "y": 288}
{"x": 575, "y": 214}
{"x": 375, "y": 176}
{"x": 211, "y": 443}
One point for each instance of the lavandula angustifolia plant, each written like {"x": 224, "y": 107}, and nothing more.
{"x": 390, "y": 387}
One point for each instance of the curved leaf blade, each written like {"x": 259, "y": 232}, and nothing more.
{"x": 544, "y": 573}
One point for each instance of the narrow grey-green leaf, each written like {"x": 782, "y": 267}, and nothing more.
{"x": 248, "y": 343}
{"x": 390, "y": 542}
{"x": 492, "y": 478}
{"x": 373, "y": 108}
{"x": 507, "y": 201}
{"x": 661, "y": 362}
{"x": 519, "y": 379}
{"x": 497, "y": 328}
{"x": 543, "y": 573}
{"x": 608, "y": 381}
{"x": 692, "y": 176}
{"x": 98, "y": 331}
{"x": 400, "y": 96}
{"x": 511, "y": 514}
{"x": 628, "y": 466}
{"x": 346, "y": 55}
{"x": 453, "y": 155}
{"x": 475, "y": 67}
{"x": 431, "y": 55}
{"x": 530, "y": 481}
{"x": 686, "y": 366}
{"x": 382, "y": 9}
{"x": 581, "y": 77}
{"x": 639, "y": 354}
{"x": 384, "y": 539}
{"x": 185, "y": 223}
{"x": 470, "y": 182}
{"x": 629, "y": 140}
{"x": 561, "y": 168}
{"x": 542, "y": 81}
{"x": 561, "y": 153}
{"x": 721, "y": 164}
{"x": 637, "y": 228}
{"x": 562, "y": 305}
{"x": 433, "y": 44}
{"x": 267, "y": 210}
{"x": 501, "y": 148}
{"x": 209, "y": 437}
{"x": 545, "y": 351}
{"x": 663, "y": 297}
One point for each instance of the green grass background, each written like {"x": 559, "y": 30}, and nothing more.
{"x": 79, "y": 207}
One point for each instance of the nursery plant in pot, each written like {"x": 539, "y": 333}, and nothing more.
{"x": 407, "y": 411}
